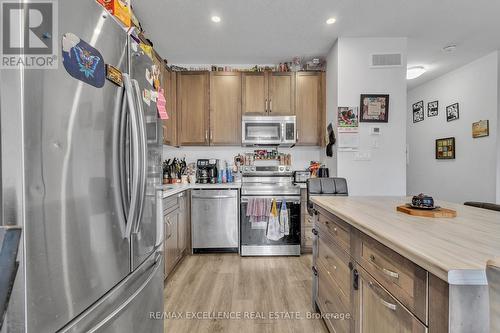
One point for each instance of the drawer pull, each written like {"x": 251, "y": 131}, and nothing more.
{"x": 335, "y": 230}
{"x": 383, "y": 270}
{"x": 388, "y": 305}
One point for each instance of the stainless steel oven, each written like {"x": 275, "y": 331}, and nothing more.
{"x": 269, "y": 183}
{"x": 265, "y": 130}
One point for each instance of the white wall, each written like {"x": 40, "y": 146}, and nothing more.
{"x": 301, "y": 156}
{"x": 472, "y": 175}
{"x": 385, "y": 172}
{"x": 331, "y": 105}
{"x": 498, "y": 135}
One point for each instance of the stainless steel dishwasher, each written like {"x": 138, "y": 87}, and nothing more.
{"x": 214, "y": 220}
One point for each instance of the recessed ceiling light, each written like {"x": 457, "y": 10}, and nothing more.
{"x": 216, "y": 19}
{"x": 414, "y": 72}
{"x": 331, "y": 20}
{"x": 450, "y": 48}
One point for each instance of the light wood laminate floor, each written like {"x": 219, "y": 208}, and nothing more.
{"x": 229, "y": 283}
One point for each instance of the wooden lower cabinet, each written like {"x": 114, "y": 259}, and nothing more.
{"x": 380, "y": 290}
{"x": 378, "y": 311}
{"x": 176, "y": 229}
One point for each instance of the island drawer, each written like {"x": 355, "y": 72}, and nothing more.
{"x": 402, "y": 278}
{"x": 336, "y": 264}
{"x": 339, "y": 231}
{"x": 337, "y": 315}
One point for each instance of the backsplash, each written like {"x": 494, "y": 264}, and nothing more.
{"x": 301, "y": 156}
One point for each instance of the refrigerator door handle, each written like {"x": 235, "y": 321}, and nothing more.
{"x": 119, "y": 187}
{"x": 119, "y": 309}
{"x": 132, "y": 213}
{"x": 143, "y": 155}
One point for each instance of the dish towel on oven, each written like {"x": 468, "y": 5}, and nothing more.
{"x": 273, "y": 226}
{"x": 284, "y": 224}
{"x": 258, "y": 210}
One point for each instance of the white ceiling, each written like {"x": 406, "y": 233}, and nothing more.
{"x": 272, "y": 31}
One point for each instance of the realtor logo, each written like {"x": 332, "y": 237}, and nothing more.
{"x": 29, "y": 34}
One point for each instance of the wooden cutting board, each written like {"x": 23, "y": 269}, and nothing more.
{"x": 440, "y": 212}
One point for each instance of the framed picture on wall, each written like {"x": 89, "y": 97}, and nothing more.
{"x": 452, "y": 112}
{"x": 481, "y": 129}
{"x": 432, "y": 109}
{"x": 418, "y": 111}
{"x": 374, "y": 108}
{"x": 445, "y": 149}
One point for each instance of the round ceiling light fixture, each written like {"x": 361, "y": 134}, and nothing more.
{"x": 216, "y": 19}
{"x": 449, "y": 48}
{"x": 414, "y": 72}
{"x": 331, "y": 20}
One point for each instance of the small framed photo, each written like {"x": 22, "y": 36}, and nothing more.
{"x": 481, "y": 129}
{"x": 432, "y": 109}
{"x": 452, "y": 112}
{"x": 374, "y": 108}
{"x": 418, "y": 111}
{"x": 445, "y": 149}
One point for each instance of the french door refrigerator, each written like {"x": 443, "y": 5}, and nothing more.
{"x": 80, "y": 172}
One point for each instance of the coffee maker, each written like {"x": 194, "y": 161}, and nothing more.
{"x": 206, "y": 171}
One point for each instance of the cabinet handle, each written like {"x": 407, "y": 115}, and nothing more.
{"x": 267, "y": 109}
{"x": 211, "y": 135}
{"x": 206, "y": 135}
{"x": 355, "y": 279}
{"x": 315, "y": 232}
{"x": 388, "y": 305}
{"x": 297, "y": 135}
{"x": 387, "y": 272}
{"x": 270, "y": 105}
{"x": 335, "y": 230}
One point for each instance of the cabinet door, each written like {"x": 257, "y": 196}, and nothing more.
{"x": 171, "y": 240}
{"x": 182, "y": 225}
{"x": 170, "y": 125}
{"x": 254, "y": 94}
{"x": 281, "y": 94}
{"x": 225, "y": 108}
{"x": 309, "y": 106}
{"x": 192, "y": 105}
{"x": 377, "y": 311}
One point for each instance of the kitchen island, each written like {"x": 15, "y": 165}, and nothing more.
{"x": 422, "y": 273}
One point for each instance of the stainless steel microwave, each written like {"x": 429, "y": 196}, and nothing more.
{"x": 268, "y": 131}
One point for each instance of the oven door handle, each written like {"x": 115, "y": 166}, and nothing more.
{"x": 288, "y": 199}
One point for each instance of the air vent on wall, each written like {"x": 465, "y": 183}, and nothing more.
{"x": 386, "y": 60}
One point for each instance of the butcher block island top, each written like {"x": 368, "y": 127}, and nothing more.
{"x": 454, "y": 249}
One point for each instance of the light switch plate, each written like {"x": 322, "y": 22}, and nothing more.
{"x": 362, "y": 156}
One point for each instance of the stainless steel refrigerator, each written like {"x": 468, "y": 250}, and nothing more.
{"x": 80, "y": 172}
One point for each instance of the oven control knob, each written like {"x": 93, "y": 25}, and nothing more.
{"x": 281, "y": 169}
{"x": 287, "y": 168}
{"x": 254, "y": 168}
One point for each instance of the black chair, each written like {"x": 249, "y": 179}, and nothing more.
{"x": 484, "y": 205}
{"x": 325, "y": 186}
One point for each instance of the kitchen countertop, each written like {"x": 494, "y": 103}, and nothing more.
{"x": 454, "y": 249}
{"x": 172, "y": 189}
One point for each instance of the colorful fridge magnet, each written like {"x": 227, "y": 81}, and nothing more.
{"x": 149, "y": 76}
{"x": 82, "y": 61}
{"x": 146, "y": 96}
{"x": 154, "y": 95}
{"x": 161, "y": 105}
{"x": 114, "y": 75}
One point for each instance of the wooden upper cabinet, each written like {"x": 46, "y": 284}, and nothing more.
{"x": 281, "y": 94}
{"x": 170, "y": 124}
{"x": 254, "y": 91}
{"x": 193, "y": 108}
{"x": 225, "y": 108}
{"x": 309, "y": 108}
